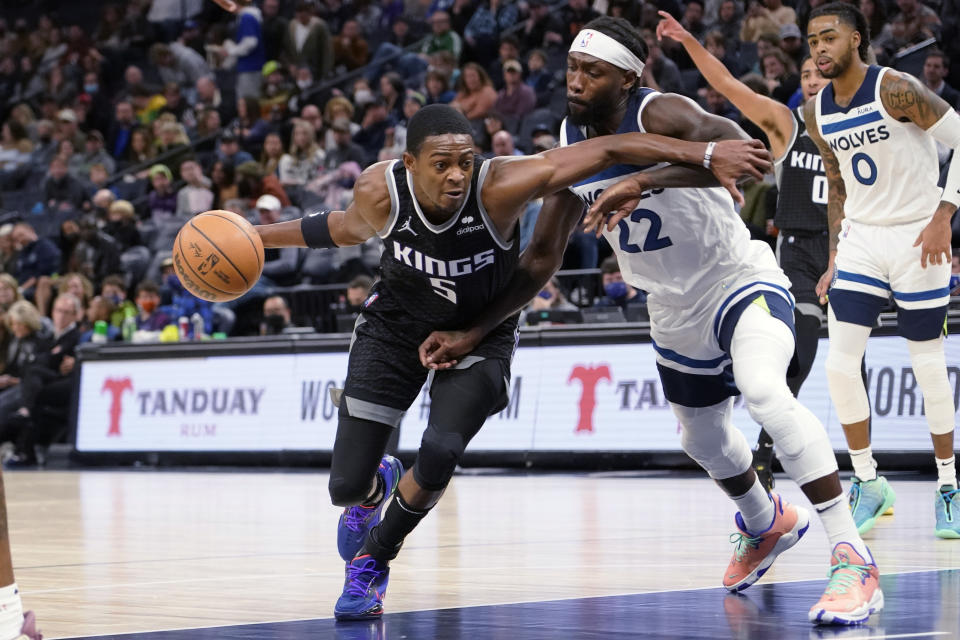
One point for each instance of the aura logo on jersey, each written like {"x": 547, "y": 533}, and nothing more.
{"x": 589, "y": 377}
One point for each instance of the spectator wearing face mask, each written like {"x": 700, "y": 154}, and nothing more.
{"x": 114, "y": 290}
{"x": 617, "y": 293}
{"x": 149, "y": 317}
{"x": 276, "y": 316}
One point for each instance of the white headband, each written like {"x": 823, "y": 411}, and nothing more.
{"x": 600, "y": 45}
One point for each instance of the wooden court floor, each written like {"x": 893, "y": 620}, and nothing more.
{"x": 99, "y": 553}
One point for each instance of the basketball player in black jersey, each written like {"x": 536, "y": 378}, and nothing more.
{"x": 802, "y": 244}
{"x": 448, "y": 220}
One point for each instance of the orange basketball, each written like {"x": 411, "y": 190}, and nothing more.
{"x": 218, "y": 256}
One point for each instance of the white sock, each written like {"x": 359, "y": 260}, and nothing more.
{"x": 838, "y": 522}
{"x": 11, "y": 612}
{"x": 947, "y": 472}
{"x": 756, "y": 508}
{"x": 864, "y": 466}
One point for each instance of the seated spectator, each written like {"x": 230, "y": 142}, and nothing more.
{"x": 915, "y": 22}
{"x": 792, "y": 43}
{"x": 475, "y": 93}
{"x": 68, "y": 128}
{"x": 224, "y": 180}
{"x": 272, "y": 153}
{"x": 97, "y": 179}
{"x": 936, "y": 68}
{"x": 141, "y": 148}
{"x": 121, "y": 225}
{"x": 350, "y": 49}
{"x": 714, "y": 102}
{"x": 162, "y": 201}
{"x": 551, "y": 298}
{"x": 335, "y": 186}
{"x": 94, "y": 153}
{"x": 251, "y": 184}
{"x": 392, "y": 92}
{"x": 209, "y": 97}
{"x": 487, "y": 21}
{"x": 114, "y": 291}
{"x": 373, "y": 130}
{"x": 149, "y": 317}
{"x": 516, "y": 99}
{"x": 276, "y": 316}
{"x": 503, "y": 145}
{"x": 174, "y": 145}
{"x": 74, "y": 283}
{"x": 660, "y": 72}
{"x": 716, "y": 44}
{"x": 760, "y": 21}
{"x": 28, "y": 340}
{"x": 62, "y": 191}
{"x": 543, "y": 29}
{"x": 96, "y": 255}
{"x": 539, "y": 77}
{"x": 305, "y": 158}
{"x": 36, "y": 256}
{"x": 121, "y": 130}
{"x": 9, "y": 292}
{"x": 443, "y": 37}
{"x": 250, "y": 126}
{"x": 438, "y": 88}
{"x": 196, "y": 196}
{"x": 100, "y": 309}
{"x": 15, "y": 146}
{"x": 47, "y": 383}
{"x": 346, "y": 150}
{"x": 230, "y": 151}
{"x": 781, "y": 75}
{"x": 307, "y": 41}
{"x": 338, "y": 108}
{"x": 280, "y": 266}
{"x": 617, "y": 292}
{"x": 728, "y": 25}
{"x": 8, "y": 250}
{"x": 358, "y": 290}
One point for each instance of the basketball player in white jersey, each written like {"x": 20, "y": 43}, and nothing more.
{"x": 720, "y": 310}
{"x": 889, "y": 234}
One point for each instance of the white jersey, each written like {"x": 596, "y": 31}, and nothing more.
{"x": 679, "y": 245}
{"x": 889, "y": 168}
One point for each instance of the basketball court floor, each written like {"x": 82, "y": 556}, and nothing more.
{"x": 176, "y": 555}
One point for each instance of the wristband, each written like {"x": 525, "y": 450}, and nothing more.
{"x": 708, "y": 154}
{"x": 315, "y": 228}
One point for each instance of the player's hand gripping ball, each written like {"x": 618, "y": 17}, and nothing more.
{"x": 218, "y": 256}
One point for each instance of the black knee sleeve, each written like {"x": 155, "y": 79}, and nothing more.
{"x": 440, "y": 451}
{"x": 461, "y": 400}
{"x": 808, "y": 338}
{"x": 357, "y": 451}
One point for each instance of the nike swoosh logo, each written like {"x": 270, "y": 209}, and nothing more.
{"x": 732, "y": 576}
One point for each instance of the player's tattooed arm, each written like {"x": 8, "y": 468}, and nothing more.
{"x": 836, "y": 194}
{"x": 907, "y": 99}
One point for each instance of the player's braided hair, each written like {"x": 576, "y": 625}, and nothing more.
{"x": 624, "y": 33}
{"x": 851, "y": 16}
{"x": 435, "y": 120}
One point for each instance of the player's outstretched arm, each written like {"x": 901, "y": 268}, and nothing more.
{"x": 905, "y": 98}
{"x": 539, "y": 261}
{"x": 680, "y": 117}
{"x": 330, "y": 229}
{"x": 773, "y": 117}
{"x": 836, "y": 194}
{"x": 517, "y": 180}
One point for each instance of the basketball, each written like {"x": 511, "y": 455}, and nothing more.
{"x": 218, "y": 256}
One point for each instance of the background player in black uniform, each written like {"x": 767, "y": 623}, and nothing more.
{"x": 448, "y": 220}
{"x": 802, "y": 245}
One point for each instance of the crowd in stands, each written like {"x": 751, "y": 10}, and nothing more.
{"x": 117, "y": 131}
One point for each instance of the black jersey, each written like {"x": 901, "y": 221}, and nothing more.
{"x": 443, "y": 274}
{"x": 802, "y": 201}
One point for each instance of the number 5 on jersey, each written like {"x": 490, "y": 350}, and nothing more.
{"x": 445, "y": 288}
